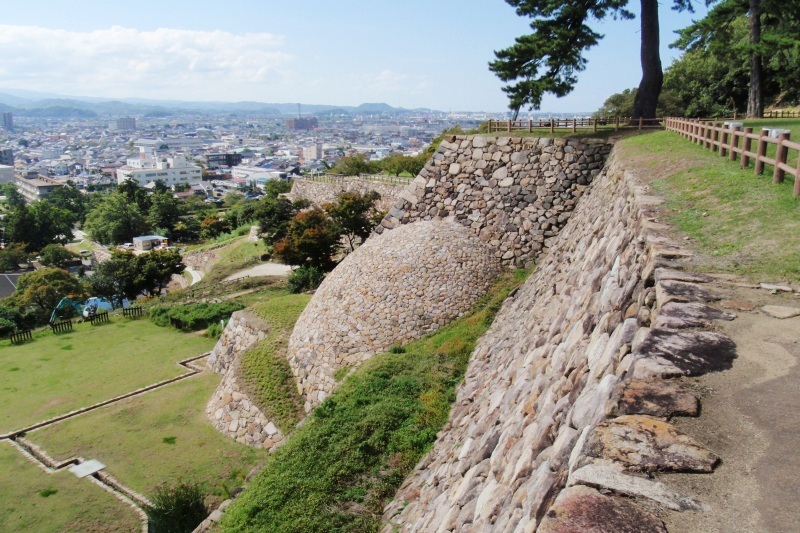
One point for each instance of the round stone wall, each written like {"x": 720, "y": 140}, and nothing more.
{"x": 396, "y": 287}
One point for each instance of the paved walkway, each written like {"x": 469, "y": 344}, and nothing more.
{"x": 264, "y": 269}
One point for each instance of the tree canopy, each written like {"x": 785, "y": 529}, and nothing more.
{"x": 549, "y": 59}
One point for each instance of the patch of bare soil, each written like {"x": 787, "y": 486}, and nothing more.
{"x": 751, "y": 418}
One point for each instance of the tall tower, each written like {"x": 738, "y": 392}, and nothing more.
{"x": 7, "y": 121}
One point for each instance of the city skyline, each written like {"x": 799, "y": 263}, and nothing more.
{"x": 418, "y": 55}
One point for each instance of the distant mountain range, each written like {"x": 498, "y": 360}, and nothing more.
{"x": 35, "y": 104}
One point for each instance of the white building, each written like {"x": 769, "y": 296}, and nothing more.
{"x": 170, "y": 143}
{"x": 6, "y": 174}
{"x": 252, "y": 174}
{"x": 313, "y": 152}
{"x": 151, "y": 167}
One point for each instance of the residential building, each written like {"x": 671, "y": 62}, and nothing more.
{"x": 312, "y": 153}
{"x": 34, "y": 187}
{"x": 170, "y": 143}
{"x": 250, "y": 175}
{"x": 7, "y": 121}
{"x": 302, "y": 123}
{"x": 151, "y": 167}
{"x": 7, "y": 157}
{"x": 123, "y": 124}
{"x": 6, "y": 174}
{"x": 227, "y": 160}
{"x": 148, "y": 242}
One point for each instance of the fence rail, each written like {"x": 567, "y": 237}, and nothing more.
{"x": 375, "y": 178}
{"x": 781, "y": 114}
{"x": 731, "y": 141}
{"x": 574, "y": 124}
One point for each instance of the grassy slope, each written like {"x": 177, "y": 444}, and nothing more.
{"x": 265, "y": 370}
{"x": 77, "y": 505}
{"x": 742, "y": 223}
{"x": 55, "y": 374}
{"x": 159, "y": 437}
{"x": 337, "y": 471}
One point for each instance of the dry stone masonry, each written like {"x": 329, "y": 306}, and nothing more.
{"x": 394, "y": 288}
{"x": 565, "y": 407}
{"x": 514, "y": 193}
{"x": 230, "y": 409}
{"x": 327, "y": 188}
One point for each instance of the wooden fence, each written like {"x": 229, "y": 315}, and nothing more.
{"x": 731, "y": 141}
{"x": 19, "y": 337}
{"x": 99, "y": 318}
{"x": 374, "y": 178}
{"x": 574, "y": 124}
{"x": 61, "y": 327}
{"x": 781, "y": 114}
{"x": 133, "y": 312}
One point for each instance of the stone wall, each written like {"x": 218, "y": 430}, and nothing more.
{"x": 514, "y": 193}
{"x": 327, "y": 189}
{"x": 394, "y": 288}
{"x": 230, "y": 409}
{"x": 566, "y": 394}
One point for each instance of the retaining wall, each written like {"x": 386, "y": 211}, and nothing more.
{"x": 566, "y": 393}
{"x": 320, "y": 191}
{"x": 514, "y": 193}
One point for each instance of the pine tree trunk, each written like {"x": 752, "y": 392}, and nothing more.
{"x": 755, "y": 96}
{"x": 644, "y": 105}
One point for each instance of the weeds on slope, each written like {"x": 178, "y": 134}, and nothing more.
{"x": 339, "y": 469}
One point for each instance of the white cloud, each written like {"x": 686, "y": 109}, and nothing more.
{"x": 121, "y": 62}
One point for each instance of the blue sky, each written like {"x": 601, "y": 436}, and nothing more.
{"x": 411, "y": 54}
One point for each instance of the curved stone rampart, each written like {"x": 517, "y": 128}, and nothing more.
{"x": 241, "y": 332}
{"x": 569, "y": 352}
{"x": 394, "y": 288}
{"x": 515, "y": 193}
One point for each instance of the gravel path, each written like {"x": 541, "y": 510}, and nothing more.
{"x": 264, "y": 269}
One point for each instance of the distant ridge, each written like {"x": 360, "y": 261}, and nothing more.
{"x": 31, "y": 103}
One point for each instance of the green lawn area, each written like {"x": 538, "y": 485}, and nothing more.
{"x": 159, "y": 437}
{"x": 55, "y": 374}
{"x": 740, "y": 222}
{"x": 336, "y": 471}
{"x": 34, "y": 501}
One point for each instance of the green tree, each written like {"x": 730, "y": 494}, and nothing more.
{"x": 274, "y": 188}
{"x": 155, "y": 269}
{"x": 354, "y": 215}
{"x": 43, "y": 289}
{"x": 53, "y": 224}
{"x": 13, "y": 196}
{"x": 55, "y": 255}
{"x": 165, "y": 211}
{"x": 12, "y": 256}
{"x": 70, "y": 199}
{"x": 311, "y": 239}
{"x": 353, "y": 165}
{"x": 115, "y": 278}
{"x": 134, "y": 194}
{"x": 273, "y": 216}
{"x": 116, "y": 220}
{"x": 549, "y": 59}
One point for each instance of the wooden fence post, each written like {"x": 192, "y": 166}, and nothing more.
{"x": 641, "y": 119}
{"x": 552, "y": 125}
{"x": 489, "y": 126}
{"x": 780, "y": 158}
{"x": 594, "y": 125}
{"x": 574, "y": 125}
{"x": 734, "y": 142}
{"x": 509, "y": 124}
{"x": 761, "y": 151}
{"x": 797, "y": 178}
{"x": 616, "y": 124}
{"x": 530, "y": 125}
{"x": 723, "y": 141}
{"x": 747, "y": 145}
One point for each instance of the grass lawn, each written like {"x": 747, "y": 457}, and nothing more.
{"x": 159, "y": 437}
{"x": 740, "y": 223}
{"x": 336, "y": 471}
{"x": 34, "y": 501}
{"x": 55, "y": 374}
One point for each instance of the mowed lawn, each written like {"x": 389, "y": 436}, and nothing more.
{"x": 55, "y": 374}
{"x": 33, "y": 501}
{"x": 159, "y": 437}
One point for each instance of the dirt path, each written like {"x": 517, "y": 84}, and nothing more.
{"x": 750, "y": 418}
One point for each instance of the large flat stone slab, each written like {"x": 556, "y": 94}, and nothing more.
{"x": 780, "y": 311}
{"x": 647, "y": 444}
{"x": 680, "y": 291}
{"x": 655, "y": 398}
{"x": 680, "y": 315}
{"x": 613, "y": 477}
{"x": 690, "y": 353}
{"x": 582, "y": 509}
{"x": 663, "y": 274}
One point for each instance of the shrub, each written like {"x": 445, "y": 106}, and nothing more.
{"x": 176, "y": 509}
{"x": 214, "y": 330}
{"x": 193, "y": 317}
{"x": 305, "y": 279}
